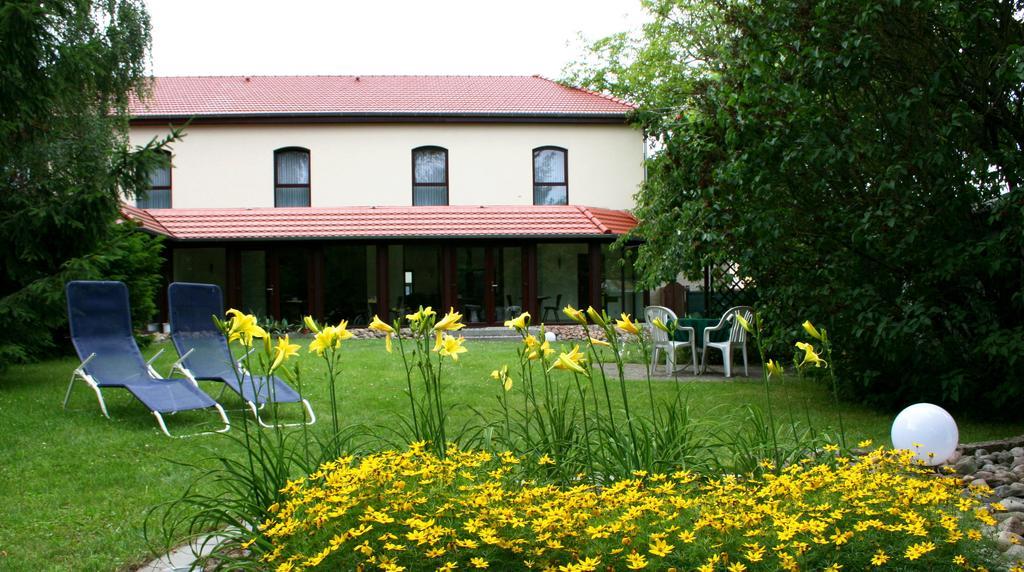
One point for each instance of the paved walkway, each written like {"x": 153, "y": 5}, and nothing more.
{"x": 685, "y": 373}
{"x": 182, "y": 558}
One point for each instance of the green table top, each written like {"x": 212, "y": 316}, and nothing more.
{"x": 698, "y": 325}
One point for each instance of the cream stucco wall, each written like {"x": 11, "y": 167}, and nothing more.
{"x": 371, "y": 164}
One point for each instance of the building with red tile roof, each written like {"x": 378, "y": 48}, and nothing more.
{"x": 349, "y": 196}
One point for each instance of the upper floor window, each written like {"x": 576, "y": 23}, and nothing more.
{"x": 158, "y": 195}
{"x": 429, "y": 176}
{"x": 291, "y": 177}
{"x": 550, "y": 176}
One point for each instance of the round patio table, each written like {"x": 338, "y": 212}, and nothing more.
{"x": 698, "y": 325}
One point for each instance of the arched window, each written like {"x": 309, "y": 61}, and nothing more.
{"x": 158, "y": 196}
{"x": 429, "y": 176}
{"x": 550, "y": 176}
{"x": 291, "y": 177}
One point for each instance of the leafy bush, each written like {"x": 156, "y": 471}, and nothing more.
{"x": 35, "y": 316}
{"x": 412, "y": 510}
{"x": 859, "y": 161}
{"x": 69, "y": 67}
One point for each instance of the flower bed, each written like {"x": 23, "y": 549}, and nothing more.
{"x": 472, "y": 510}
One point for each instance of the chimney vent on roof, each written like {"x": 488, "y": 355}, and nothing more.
{"x": 248, "y": 79}
{"x": 357, "y": 78}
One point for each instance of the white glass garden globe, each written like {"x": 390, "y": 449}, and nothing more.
{"x": 928, "y": 430}
{"x": 549, "y": 336}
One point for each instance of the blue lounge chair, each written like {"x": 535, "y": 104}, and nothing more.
{"x": 101, "y": 331}
{"x": 205, "y": 353}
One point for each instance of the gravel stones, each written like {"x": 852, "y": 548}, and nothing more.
{"x": 999, "y": 467}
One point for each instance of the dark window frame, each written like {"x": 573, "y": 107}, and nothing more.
{"x": 168, "y": 187}
{"x": 309, "y": 175}
{"x": 565, "y": 171}
{"x": 447, "y": 189}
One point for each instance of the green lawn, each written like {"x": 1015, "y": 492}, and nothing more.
{"x": 76, "y": 486}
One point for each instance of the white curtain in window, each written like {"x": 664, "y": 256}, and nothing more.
{"x": 293, "y": 168}
{"x": 425, "y": 196}
{"x": 160, "y": 177}
{"x": 549, "y": 166}
{"x": 429, "y": 165}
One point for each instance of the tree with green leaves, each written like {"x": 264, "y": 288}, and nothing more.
{"x": 67, "y": 72}
{"x": 860, "y": 160}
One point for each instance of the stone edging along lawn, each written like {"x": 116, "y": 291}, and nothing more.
{"x": 999, "y": 466}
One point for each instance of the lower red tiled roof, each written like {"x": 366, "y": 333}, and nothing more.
{"x": 383, "y": 222}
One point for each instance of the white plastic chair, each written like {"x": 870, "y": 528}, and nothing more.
{"x": 662, "y": 341}
{"x": 737, "y": 339}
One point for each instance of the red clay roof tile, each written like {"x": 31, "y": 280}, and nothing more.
{"x": 371, "y": 95}
{"x": 383, "y": 222}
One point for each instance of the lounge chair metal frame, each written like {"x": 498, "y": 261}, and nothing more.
{"x": 242, "y": 375}
{"x": 80, "y": 373}
{"x": 100, "y": 323}
{"x": 179, "y": 367}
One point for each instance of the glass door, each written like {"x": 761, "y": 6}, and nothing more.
{"x": 275, "y": 283}
{"x": 471, "y": 284}
{"x": 488, "y": 283}
{"x": 508, "y": 283}
{"x": 255, "y": 290}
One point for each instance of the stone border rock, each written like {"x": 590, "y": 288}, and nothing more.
{"x": 998, "y": 474}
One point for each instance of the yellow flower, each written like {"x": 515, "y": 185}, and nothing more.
{"x": 518, "y": 323}
{"x": 421, "y": 314}
{"x": 959, "y": 560}
{"x": 599, "y": 318}
{"x": 915, "y": 551}
{"x": 282, "y": 351}
{"x": 744, "y": 323}
{"x": 478, "y": 562}
{"x": 627, "y": 325}
{"x": 812, "y": 331}
{"x": 810, "y": 356}
{"x": 636, "y": 561}
{"x": 381, "y": 326}
{"x": 660, "y": 548}
{"x": 754, "y": 552}
{"x": 687, "y": 536}
{"x": 243, "y": 327}
{"x": 539, "y": 349}
{"x": 598, "y": 342}
{"x": 737, "y": 567}
{"x": 450, "y": 322}
{"x": 330, "y": 337}
{"x": 774, "y": 368}
{"x": 448, "y": 567}
{"x": 865, "y": 443}
{"x": 880, "y": 558}
{"x": 657, "y": 323}
{"x": 575, "y": 315}
{"x": 450, "y": 346}
{"x": 311, "y": 324}
{"x": 501, "y": 375}
{"x": 571, "y": 361}
{"x": 545, "y": 460}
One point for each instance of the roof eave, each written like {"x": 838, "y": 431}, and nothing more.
{"x": 607, "y": 236}
{"x": 384, "y": 117}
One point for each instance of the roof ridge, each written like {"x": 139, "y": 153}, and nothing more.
{"x": 593, "y": 218}
{"x": 242, "y": 76}
{"x": 144, "y": 219}
{"x": 590, "y": 91}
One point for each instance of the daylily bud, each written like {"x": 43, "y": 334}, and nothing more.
{"x": 812, "y": 331}
{"x": 744, "y": 323}
{"x": 598, "y": 318}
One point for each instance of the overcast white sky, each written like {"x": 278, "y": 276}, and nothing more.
{"x": 298, "y": 37}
